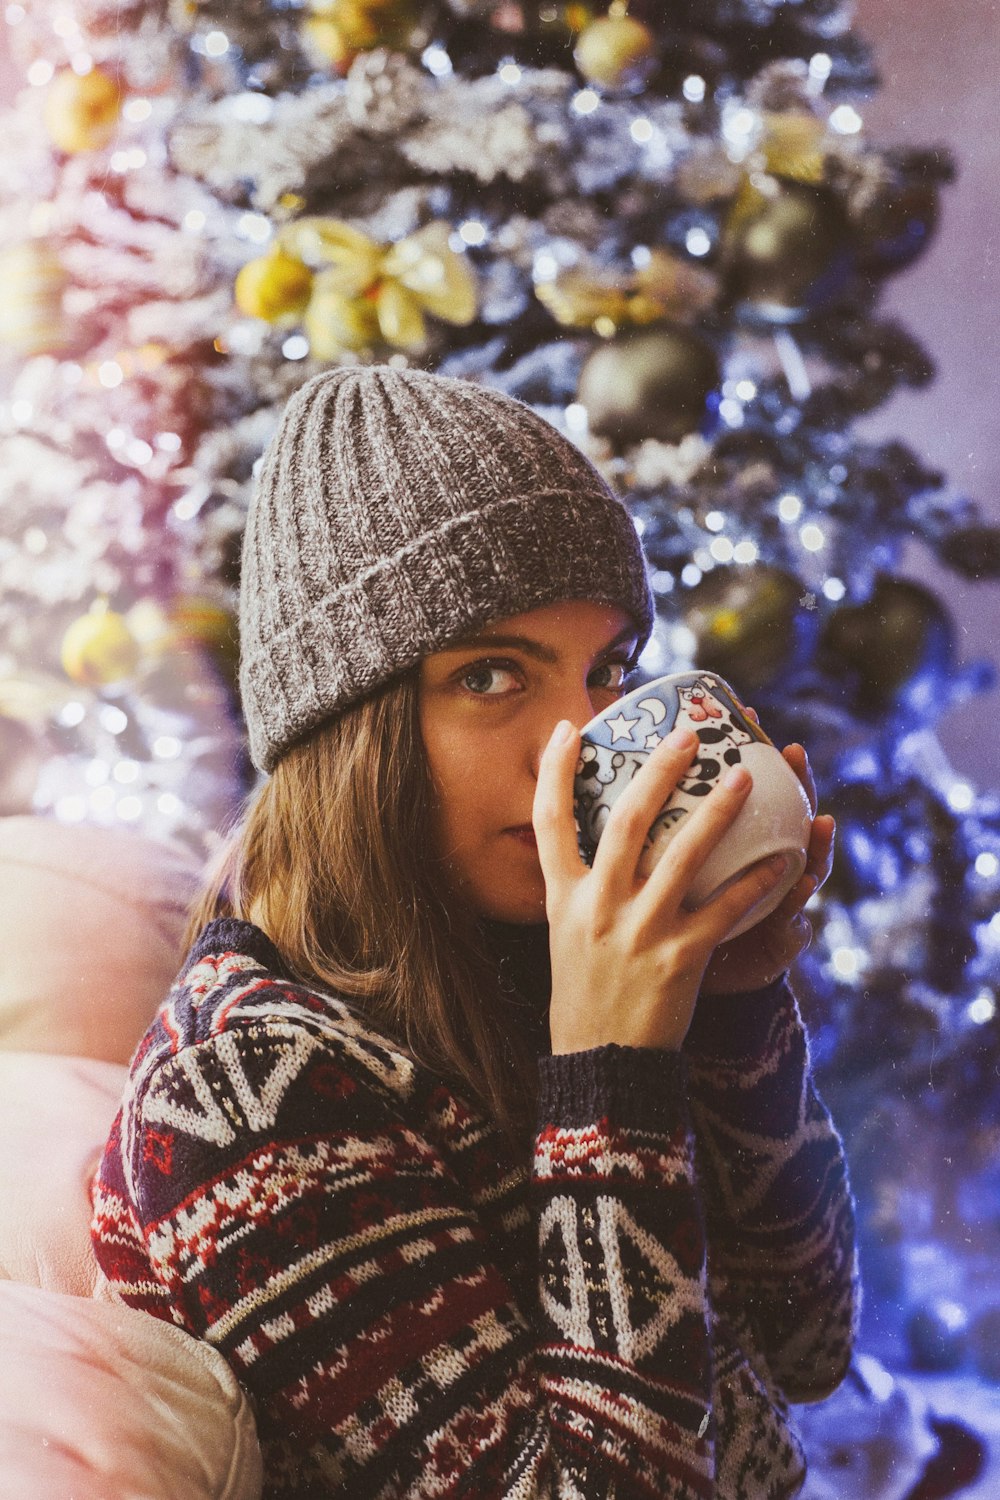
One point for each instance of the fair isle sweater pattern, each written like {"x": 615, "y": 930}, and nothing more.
{"x": 418, "y": 1316}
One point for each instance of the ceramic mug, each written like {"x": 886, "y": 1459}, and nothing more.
{"x": 775, "y": 819}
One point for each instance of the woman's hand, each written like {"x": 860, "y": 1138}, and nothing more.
{"x": 758, "y": 956}
{"x": 628, "y": 959}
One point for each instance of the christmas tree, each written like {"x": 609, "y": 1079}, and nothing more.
{"x": 665, "y": 228}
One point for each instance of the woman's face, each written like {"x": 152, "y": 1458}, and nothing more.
{"x": 487, "y": 708}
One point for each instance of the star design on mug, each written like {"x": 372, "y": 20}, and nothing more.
{"x": 621, "y": 728}
{"x": 651, "y": 741}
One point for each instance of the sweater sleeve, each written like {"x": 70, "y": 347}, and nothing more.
{"x": 778, "y": 1204}
{"x": 296, "y": 1218}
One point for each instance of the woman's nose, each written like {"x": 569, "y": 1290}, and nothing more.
{"x": 577, "y": 706}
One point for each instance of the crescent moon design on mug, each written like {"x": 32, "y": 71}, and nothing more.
{"x": 657, "y": 711}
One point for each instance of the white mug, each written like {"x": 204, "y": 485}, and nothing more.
{"x": 775, "y": 819}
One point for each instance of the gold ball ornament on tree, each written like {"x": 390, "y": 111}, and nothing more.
{"x": 746, "y": 623}
{"x": 649, "y": 384}
{"x": 336, "y": 31}
{"x": 82, "y": 110}
{"x": 32, "y": 283}
{"x": 275, "y": 287}
{"x": 99, "y": 649}
{"x": 616, "y": 52}
{"x": 786, "y": 249}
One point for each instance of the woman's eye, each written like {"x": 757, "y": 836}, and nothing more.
{"x": 613, "y": 676}
{"x": 489, "y": 680}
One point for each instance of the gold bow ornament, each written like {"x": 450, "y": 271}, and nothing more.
{"x": 350, "y": 292}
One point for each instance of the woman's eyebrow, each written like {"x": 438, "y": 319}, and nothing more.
{"x": 529, "y": 645}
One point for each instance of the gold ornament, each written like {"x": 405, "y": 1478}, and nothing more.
{"x": 365, "y": 293}
{"x": 666, "y": 287}
{"x": 81, "y": 110}
{"x": 616, "y": 52}
{"x": 337, "y": 30}
{"x": 793, "y": 146}
{"x": 652, "y": 383}
{"x": 746, "y": 622}
{"x": 275, "y": 287}
{"x": 32, "y": 282}
{"x": 785, "y": 247}
{"x": 99, "y": 649}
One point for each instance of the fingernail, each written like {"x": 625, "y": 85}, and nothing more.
{"x": 563, "y": 733}
{"x": 736, "y": 779}
{"x": 681, "y": 738}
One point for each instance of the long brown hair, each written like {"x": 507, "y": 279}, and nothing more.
{"x": 333, "y": 859}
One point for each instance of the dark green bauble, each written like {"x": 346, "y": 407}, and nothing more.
{"x": 786, "y": 252}
{"x": 894, "y": 228}
{"x": 650, "y": 384}
{"x": 747, "y": 623}
{"x": 973, "y": 551}
{"x": 900, "y": 637}
{"x": 937, "y": 1334}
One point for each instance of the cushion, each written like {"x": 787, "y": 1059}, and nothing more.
{"x": 101, "y": 1402}
{"x": 55, "y": 1113}
{"x": 92, "y": 923}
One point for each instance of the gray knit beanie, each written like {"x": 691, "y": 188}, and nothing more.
{"x": 395, "y": 512}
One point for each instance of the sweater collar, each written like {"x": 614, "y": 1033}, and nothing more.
{"x": 232, "y": 935}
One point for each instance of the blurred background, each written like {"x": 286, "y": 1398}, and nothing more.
{"x": 939, "y": 83}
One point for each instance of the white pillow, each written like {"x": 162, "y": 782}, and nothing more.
{"x": 92, "y": 922}
{"x": 101, "y": 1402}
{"x": 55, "y": 1113}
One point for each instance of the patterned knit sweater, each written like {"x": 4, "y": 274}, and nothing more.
{"x": 417, "y": 1314}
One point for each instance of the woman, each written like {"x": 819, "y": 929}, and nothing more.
{"x": 491, "y": 1174}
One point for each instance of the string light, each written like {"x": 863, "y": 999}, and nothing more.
{"x": 436, "y": 60}
{"x": 845, "y": 120}
{"x": 983, "y": 1008}
{"x": 693, "y": 88}
{"x": 585, "y": 102}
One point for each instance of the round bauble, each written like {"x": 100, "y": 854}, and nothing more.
{"x": 276, "y": 287}
{"x": 746, "y": 622}
{"x": 339, "y": 30}
{"x": 936, "y": 1334}
{"x": 650, "y": 384}
{"x": 99, "y": 649}
{"x": 901, "y": 631}
{"x": 616, "y": 53}
{"x": 973, "y": 551}
{"x": 32, "y": 283}
{"x": 81, "y": 110}
{"x": 785, "y": 251}
{"x": 894, "y": 228}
